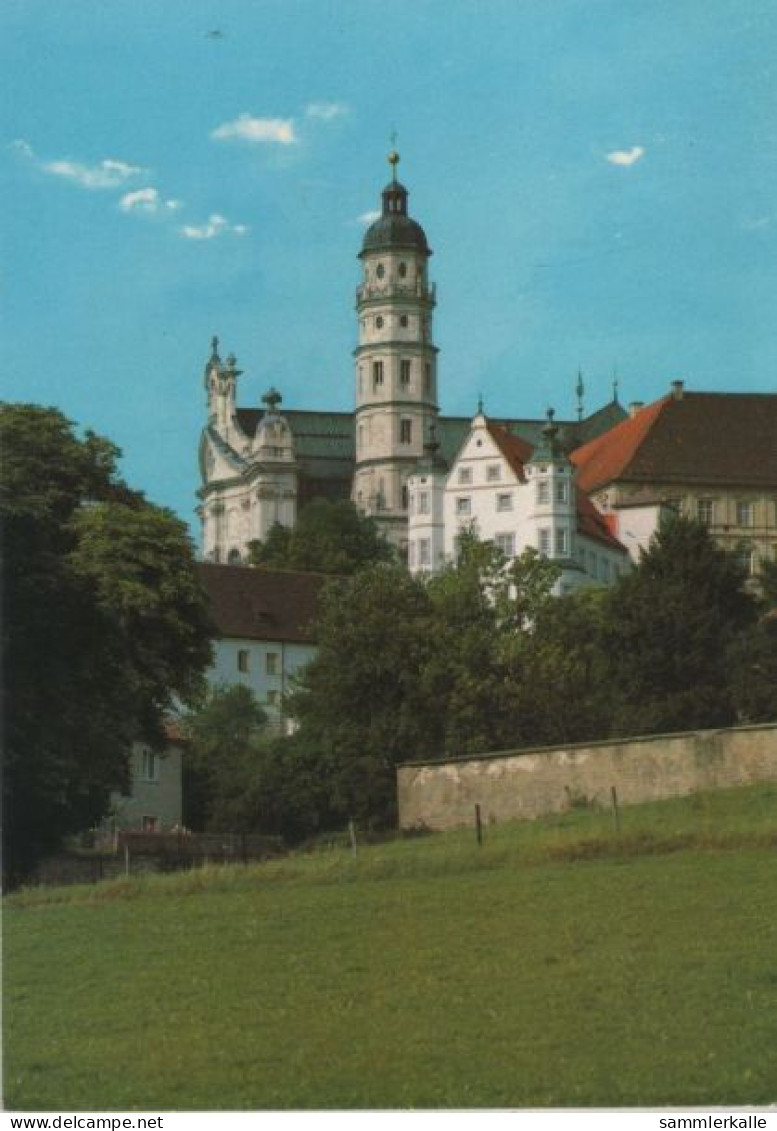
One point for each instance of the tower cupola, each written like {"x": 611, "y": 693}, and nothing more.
{"x": 394, "y": 228}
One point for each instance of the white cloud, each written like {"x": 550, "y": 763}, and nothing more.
{"x": 246, "y": 128}
{"x": 147, "y": 200}
{"x": 216, "y": 226}
{"x": 106, "y": 175}
{"x": 368, "y": 217}
{"x": 326, "y": 111}
{"x": 626, "y": 156}
{"x": 23, "y": 147}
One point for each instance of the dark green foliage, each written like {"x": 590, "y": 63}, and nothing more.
{"x": 670, "y": 625}
{"x": 239, "y": 778}
{"x": 565, "y": 690}
{"x": 104, "y": 628}
{"x": 328, "y": 538}
{"x": 360, "y": 703}
{"x": 753, "y": 671}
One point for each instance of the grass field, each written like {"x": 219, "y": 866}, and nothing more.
{"x": 557, "y": 965}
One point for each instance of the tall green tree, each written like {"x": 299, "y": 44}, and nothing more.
{"x": 105, "y": 628}
{"x": 329, "y": 537}
{"x": 670, "y": 625}
{"x": 360, "y": 702}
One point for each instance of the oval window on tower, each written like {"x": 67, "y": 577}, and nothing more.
{"x": 379, "y": 322}
{"x": 380, "y": 271}
{"x": 403, "y": 320}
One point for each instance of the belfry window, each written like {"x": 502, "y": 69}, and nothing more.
{"x": 379, "y": 322}
{"x": 380, "y": 271}
{"x": 405, "y": 431}
{"x": 404, "y": 372}
{"x": 402, "y": 270}
{"x": 377, "y": 372}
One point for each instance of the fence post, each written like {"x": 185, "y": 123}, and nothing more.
{"x": 126, "y": 859}
{"x": 478, "y": 825}
{"x": 615, "y": 810}
{"x": 352, "y": 835}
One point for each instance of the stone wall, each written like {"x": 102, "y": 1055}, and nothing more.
{"x": 530, "y": 783}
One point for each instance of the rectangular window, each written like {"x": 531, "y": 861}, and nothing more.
{"x": 605, "y": 569}
{"x": 504, "y": 502}
{"x": 562, "y": 491}
{"x": 465, "y": 475}
{"x": 506, "y": 543}
{"x": 705, "y": 511}
{"x": 405, "y": 431}
{"x": 149, "y": 766}
{"x": 493, "y": 473}
{"x": 544, "y": 541}
{"x": 543, "y": 492}
{"x": 424, "y": 552}
{"x": 149, "y": 824}
{"x": 464, "y": 505}
{"x": 404, "y": 372}
{"x": 744, "y": 514}
{"x": 272, "y": 698}
{"x": 377, "y": 373}
{"x": 423, "y": 502}
{"x": 242, "y": 660}
{"x": 272, "y": 663}
{"x": 562, "y": 541}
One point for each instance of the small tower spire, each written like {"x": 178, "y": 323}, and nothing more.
{"x": 615, "y": 384}
{"x": 580, "y": 390}
{"x": 393, "y": 157}
{"x": 480, "y": 404}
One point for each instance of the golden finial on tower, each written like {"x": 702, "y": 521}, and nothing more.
{"x": 393, "y": 157}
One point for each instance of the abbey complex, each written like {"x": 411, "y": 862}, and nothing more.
{"x": 588, "y": 492}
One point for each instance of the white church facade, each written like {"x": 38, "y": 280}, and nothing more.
{"x": 259, "y": 466}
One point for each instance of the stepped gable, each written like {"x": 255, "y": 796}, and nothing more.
{"x": 262, "y": 604}
{"x": 706, "y": 438}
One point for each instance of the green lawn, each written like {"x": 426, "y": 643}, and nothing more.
{"x": 558, "y": 965}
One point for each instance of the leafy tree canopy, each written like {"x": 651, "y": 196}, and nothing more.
{"x": 328, "y": 538}
{"x": 669, "y": 626}
{"x": 105, "y": 628}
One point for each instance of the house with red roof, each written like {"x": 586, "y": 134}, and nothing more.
{"x": 517, "y": 495}
{"x": 710, "y": 456}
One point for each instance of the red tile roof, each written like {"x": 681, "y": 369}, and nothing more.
{"x": 725, "y": 439}
{"x": 590, "y": 522}
{"x": 262, "y": 604}
{"x": 516, "y": 451}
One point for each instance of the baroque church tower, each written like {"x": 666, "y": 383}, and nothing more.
{"x": 396, "y": 361}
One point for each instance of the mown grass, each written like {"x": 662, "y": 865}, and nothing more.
{"x": 559, "y": 964}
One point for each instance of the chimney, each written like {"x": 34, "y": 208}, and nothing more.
{"x": 634, "y": 408}
{"x": 677, "y": 390}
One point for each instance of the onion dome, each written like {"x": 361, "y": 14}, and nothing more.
{"x": 394, "y": 229}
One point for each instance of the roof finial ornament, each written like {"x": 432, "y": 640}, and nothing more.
{"x": 214, "y": 346}
{"x": 393, "y": 157}
{"x": 480, "y": 404}
{"x": 615, "y": 384}
{"x": 580, "y": 390}
{"x": 272, "y": 398}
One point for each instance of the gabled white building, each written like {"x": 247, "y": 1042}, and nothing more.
{"x": 515, "y": 495}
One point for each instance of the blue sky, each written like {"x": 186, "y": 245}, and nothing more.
{"x": 597, "y": 179}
